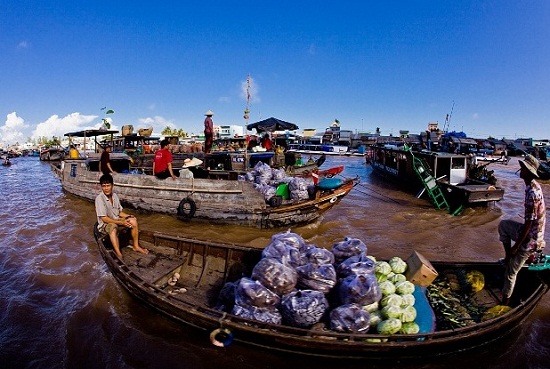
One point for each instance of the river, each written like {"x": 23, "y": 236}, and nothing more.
{"x": 61, "y": 308}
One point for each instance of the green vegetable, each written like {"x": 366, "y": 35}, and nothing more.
{"x": 389, "y": 326}
{"x": 398, "y": 265}
{"x": 390, "y": 311}
{"x": 408, "y": 300}
{"x": 371, "y": 307}
{"x": 404, "y": 288}
{"x": 409, "y": 328}
{"x": 387, "y": 288}
{"x": 375, "y": 318}
{"x": 409, "y": 314}
{"x": 382, "y": 267}
{"x": 393, "y": 300}
{"x": 395, "y": 278}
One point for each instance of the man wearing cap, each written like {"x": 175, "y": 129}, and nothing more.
{"x": 105, "y": 161}
{"x": 208, "y": 131}
{"x": 528, "y": 236}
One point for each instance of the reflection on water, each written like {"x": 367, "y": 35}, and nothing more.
{"x": 61, "y": 308}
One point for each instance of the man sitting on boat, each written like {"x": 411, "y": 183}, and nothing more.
{"x": 111, "y": 218}
{"x": 162, "y": 164}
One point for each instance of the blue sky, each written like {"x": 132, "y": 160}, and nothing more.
{"x": 396, "y": 65}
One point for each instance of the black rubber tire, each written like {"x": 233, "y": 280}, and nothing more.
{"x": 187, "y": 208}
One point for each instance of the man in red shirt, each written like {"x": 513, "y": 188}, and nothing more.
{"x": 162, "y": 164}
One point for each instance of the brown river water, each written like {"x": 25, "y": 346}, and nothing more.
{"x": 61, "y": 308}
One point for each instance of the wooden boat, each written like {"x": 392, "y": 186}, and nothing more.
{"x": 205, "y": 267}
{"x": 327, "y": 149}
{"x": 52, "y": 154}
{"x": 450, "y": 170}
{"x": 219, "y": 198}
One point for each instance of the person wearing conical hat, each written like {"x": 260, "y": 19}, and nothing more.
{"x": 208, "y": 131}
{"x": 528, "y": 236}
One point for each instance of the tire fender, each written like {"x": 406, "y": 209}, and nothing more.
{"x": 221, "y": 337}
{"x": 187, "y": 208}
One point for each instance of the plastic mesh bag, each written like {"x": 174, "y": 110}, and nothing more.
{"x": 361, "y": 289}
{"x": 250, "y": 292}
{"x": 276, "y": 276}
{"x": 317, "y": 277}
{"x": 357, "y": 264}
{"x": 283, "y": 252}
{"x": 349, "y": 318}
{"x": 262, "y": 314}
{"x": 303, "y": 308}
{"x": 347, "y": 248}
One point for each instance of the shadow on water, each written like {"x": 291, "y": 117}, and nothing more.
{"x": 61, "y": 308}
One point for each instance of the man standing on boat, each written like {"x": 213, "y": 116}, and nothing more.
{"x": 111, "y": 218}
{"x": 105, "y": 161}
{"x": 162, "y": 164}
{"x": 528, "y": 236}
{"x": 208, "y": 131}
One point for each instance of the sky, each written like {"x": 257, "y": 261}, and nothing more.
{"x": 393, "y": 65}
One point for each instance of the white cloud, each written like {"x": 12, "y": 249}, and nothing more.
{"x": 12, "y": 130}
{"x": 157, "y": 122}
{"x": 475, "y": 116}
{"x": 23, "y": 45}
{"x": 56, "y": 126}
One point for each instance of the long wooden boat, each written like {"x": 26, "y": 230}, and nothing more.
{"x": 220, "y": 198}
{"x": 450, "y": 170}
{"x": 204, "y": 267}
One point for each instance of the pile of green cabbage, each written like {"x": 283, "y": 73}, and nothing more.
{"x": 395, "y": 312}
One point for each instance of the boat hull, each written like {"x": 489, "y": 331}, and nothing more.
{"x": 215, "y": 201}
{"x": 206, "y": 266}
{"x": 449, "y": 170}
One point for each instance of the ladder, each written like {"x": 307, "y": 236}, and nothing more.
{"x": 428, "y": 180}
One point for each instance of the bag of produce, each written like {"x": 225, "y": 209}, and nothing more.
{"x": 284, "y": 252}
{"x": 226, "y": 298}
{"x": 318, "y": 255}
{"x": 316, "y": 277}
{"x": 349, "y": 318}
{"x": 261, "y": 314}
{"x": 289, "y": 238}
{"x": 303, "y": 308}
{"x": 357, "y": 264}
{"x": 276, "y": 276}
{"x": 361, "y": 289}
{"x": 250, "y": 292}
{"x": 347, "y": 248}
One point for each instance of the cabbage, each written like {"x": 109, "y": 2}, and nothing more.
{"x": 387, "y": 288}
{"x": 391, "y": 311}
{"x": 393, "y": 300}
{"x": 371, "y": 307}
{"x": 409, "y": 328}
{"x": 409, "y": 314}
{"x": 397, "y": 278}
{"x": 408, "y": 300}
{"x": 380, "y": 277}
{"x": 398, "y": 266}
{"x": 389, "y": 326}
{"x": 404, "y": 288}
{"x": 372, "y": 258}
{"x": 375, "y": 318}
{"x": 382, "y": 267}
